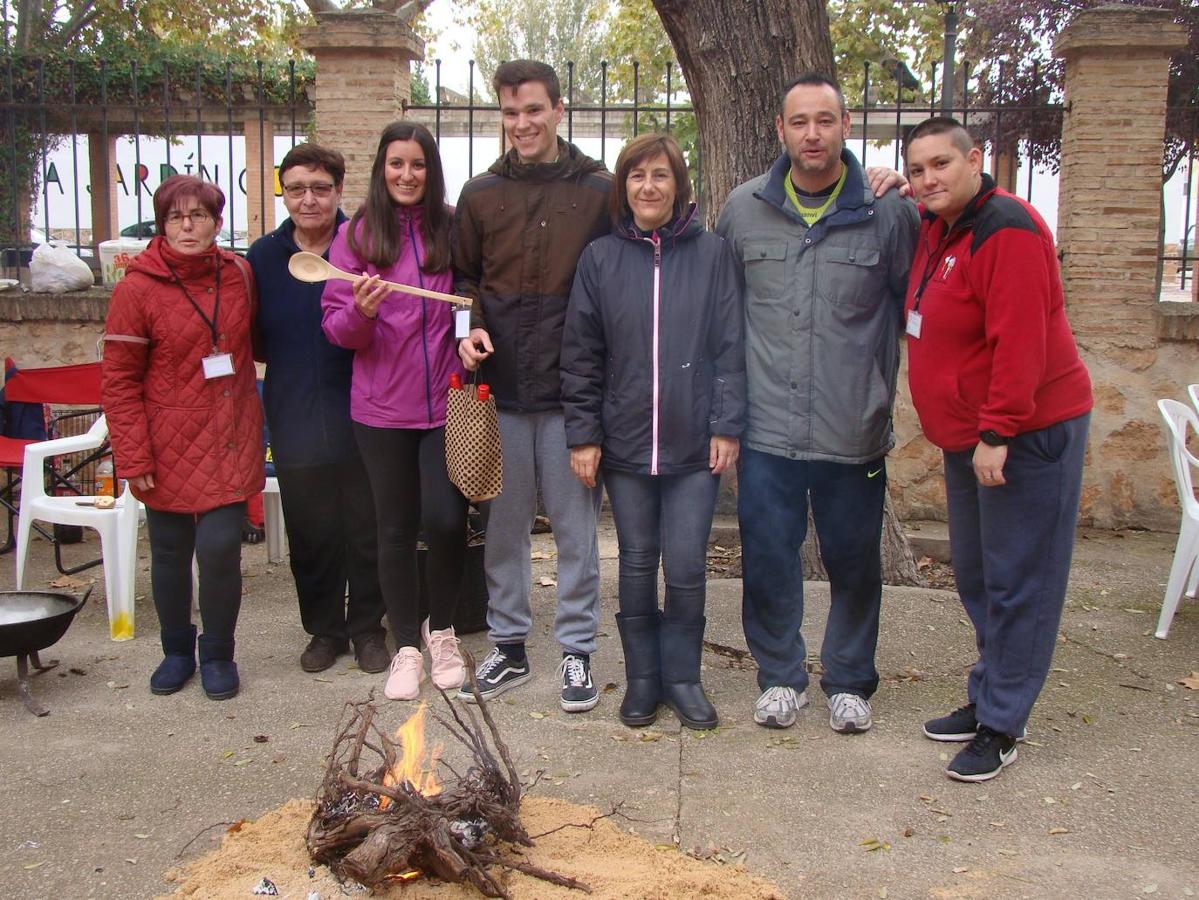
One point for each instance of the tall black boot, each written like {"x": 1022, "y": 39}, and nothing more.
{"x": 682, "y": 648}
{"x": 642, "y": 668}
{"x": 178, "y": 660}
{"x": 218, "y": 671}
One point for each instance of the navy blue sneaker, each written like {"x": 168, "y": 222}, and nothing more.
{"x": 984, "y": 757}
{"x": 496, "y": 673}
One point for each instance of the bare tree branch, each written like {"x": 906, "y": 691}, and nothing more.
{"x": 85, "y": 13}
{"x": 322, "y": 6}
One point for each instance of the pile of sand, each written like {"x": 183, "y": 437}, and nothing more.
{"x": 615, "y": 864}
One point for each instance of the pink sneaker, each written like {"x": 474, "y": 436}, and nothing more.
{"x": 445, "y": 662}
{"x": 407, "y": 670}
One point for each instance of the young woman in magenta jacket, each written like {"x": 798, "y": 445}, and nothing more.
{"x": 404, "y": 355}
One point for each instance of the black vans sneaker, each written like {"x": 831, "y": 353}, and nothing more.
{"x": 984, "y": 757}
{"x": 958, "y": 726}
{"x": 578, "y": 690}
{"x": 495, "y": 674}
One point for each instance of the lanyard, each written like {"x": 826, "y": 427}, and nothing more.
{"x": 216, "y": 304}
{"x": 930, "y": 268}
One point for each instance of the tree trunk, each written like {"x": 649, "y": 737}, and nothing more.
{"x": 736, "y": 56}
{"x": 899, "y": 563}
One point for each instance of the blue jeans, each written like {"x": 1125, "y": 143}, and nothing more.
{"x": 847, "y": 508}
{"x": 1011, "y": 548}
{"x": 667, "y": 518}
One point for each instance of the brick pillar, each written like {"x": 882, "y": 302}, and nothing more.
{"x": 102, "y": 169}
{"x": 362, "y": 81}
{"x": 1005, "y": 165}
{"x": 1117, "y": 65}
{"x": 260, "y": 178}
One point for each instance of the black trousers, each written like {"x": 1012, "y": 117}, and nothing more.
{"x": 414, "y": 495}
{"x": 329, "y": 514}
{"x": 214, "y": 537}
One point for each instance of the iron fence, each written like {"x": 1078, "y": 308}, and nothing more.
{"x": 64, "y": 123}
{"x": 73, "y": 114}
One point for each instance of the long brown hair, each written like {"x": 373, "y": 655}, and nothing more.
{"x": 380, "y": 240}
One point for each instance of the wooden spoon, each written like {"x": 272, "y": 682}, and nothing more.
{"x": 312, "y": 268}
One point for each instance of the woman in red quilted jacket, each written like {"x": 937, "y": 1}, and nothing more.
{"x": 404, "y": 355}
{"x": 186, "y": 424}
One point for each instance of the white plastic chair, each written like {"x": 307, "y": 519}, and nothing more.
{"x": 272, "y": 514}
{"x": 1193, "y": 390}
{"x": 1179, "y": 418}
{"x": 117, "y": 526}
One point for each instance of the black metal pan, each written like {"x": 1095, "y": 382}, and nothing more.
{"x": 31, "y": 621}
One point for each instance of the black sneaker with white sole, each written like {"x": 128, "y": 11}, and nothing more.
{"x": 579, "y": 693}
{"x": 958, "y": 726}
{"x": 495, "y": 674}
{"x": 984, "y": 757}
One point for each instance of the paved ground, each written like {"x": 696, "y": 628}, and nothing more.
{"x": 116, "y": 785}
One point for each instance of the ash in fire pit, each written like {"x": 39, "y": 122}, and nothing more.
{"x": 387, "y": 818}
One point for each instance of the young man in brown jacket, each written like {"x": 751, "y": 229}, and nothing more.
{"x": 521, "y": 227}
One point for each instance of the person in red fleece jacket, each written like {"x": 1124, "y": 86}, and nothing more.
{"x": 999, "y": 386}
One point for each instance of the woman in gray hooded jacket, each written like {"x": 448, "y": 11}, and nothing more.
{"x": 653, "y": 389}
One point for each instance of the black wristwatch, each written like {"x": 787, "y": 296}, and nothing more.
{"x": 992, "y": 438}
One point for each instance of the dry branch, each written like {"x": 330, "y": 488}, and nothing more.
{"x": 458, "y": 835}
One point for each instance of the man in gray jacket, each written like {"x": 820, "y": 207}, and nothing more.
{"x": 826, "y": 268}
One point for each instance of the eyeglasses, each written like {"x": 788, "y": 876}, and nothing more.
{"x": 320, "y": 190}
{"x": 198, "y": 216}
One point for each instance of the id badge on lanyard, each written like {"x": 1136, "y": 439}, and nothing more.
{"x": 217, "y": 365}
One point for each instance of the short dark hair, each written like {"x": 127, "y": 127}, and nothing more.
{"x": 810, "y": 79}
{"x": 374, "y": 233}
{"x": 515, "y": 72}
{"x": 314, "y": 156}
{"x": 638, "y": 150}
{"x": 177, "y": 187}
{"x": 958, "y": 135}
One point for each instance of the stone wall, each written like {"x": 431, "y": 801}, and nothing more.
{"x": 52, "y": 329}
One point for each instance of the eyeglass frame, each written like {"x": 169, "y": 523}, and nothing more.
{"x": 321, "y": 190}
{"x": 199, "y": 217}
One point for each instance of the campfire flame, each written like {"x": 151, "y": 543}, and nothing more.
{"x": 404, "y": 876}
{"x": 411, "y": 768}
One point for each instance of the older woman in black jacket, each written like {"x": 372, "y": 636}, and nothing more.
{"x": 653, "y": 386}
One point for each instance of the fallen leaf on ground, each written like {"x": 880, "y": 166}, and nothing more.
{"x": 261, "y": 738}
{"x": 547, "y": 581}
{"x": 872, "y": 844}
{"x": 66, "y": 581}
{"x": 1059, "y": 830}
{"x": 1191, "y": 682}
{"x": 537, "y": 715}
{"x": 958, "y": 870}
{"x": 540, "y": 554}
{"x": 648, "y": 737}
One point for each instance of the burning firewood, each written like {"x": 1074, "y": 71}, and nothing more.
{"x": 383, "y": 816}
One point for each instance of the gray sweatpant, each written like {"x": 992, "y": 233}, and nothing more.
{"x": 536, "y": 455}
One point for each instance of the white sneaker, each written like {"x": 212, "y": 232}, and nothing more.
{"x": 407, "y": 670}
{"x": 778, "y": 706}
{"x": 849, "y": 713}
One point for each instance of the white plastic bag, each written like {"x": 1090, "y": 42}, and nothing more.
{"x": 55, "y": 269}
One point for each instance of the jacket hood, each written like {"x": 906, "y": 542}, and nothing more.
{"x": 153, "y": 262}
{"x": 571, "y": 163}
{"x": 683, "y": 227}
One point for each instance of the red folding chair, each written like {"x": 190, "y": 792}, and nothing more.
{"x": 76, "y": 387}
